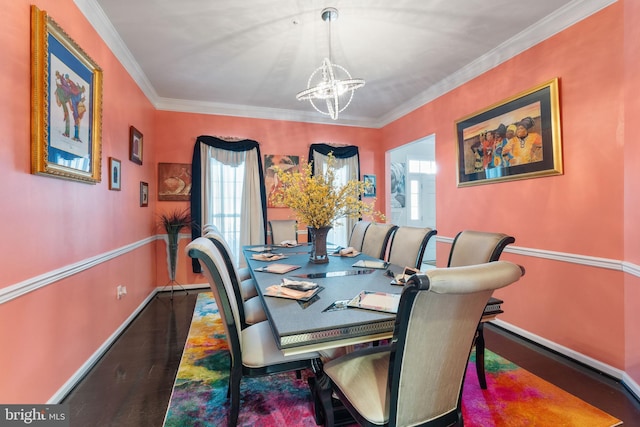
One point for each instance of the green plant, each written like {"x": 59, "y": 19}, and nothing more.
{"x": 174, "y": 221}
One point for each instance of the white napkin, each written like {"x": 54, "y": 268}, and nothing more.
{"x": 348, "y": 251}
{"x": 289, "y": 243}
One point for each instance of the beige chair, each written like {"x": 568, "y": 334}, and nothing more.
{"x": 253, "y": 349}
{"x": 251, "y": 310}
{"x": 357, "y": 235}
{"x": 243, "y": 273}
{"x": 418, "y": 379}
{"x": 476, "y": 247}
{"x": 283, "y": 229}
{"x": 376, "y": 239}
{"x": 408, "y": 245}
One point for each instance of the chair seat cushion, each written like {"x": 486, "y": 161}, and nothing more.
{"x": 248, "y": 289}
{"x": 254, "y": 311}
{"x": 362, "y": 378}
{"x": 244, "y": 273}
{"x": 259, "y": 348}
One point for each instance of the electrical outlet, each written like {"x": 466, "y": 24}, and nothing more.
{"x": 121, "y": 291}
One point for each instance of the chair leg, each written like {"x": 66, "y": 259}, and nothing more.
{"x": 480, "y": 357}
{"x": 234, "y": 386}
{"x": 325, "y": 392}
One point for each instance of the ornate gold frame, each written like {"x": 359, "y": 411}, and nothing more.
{"x": 70, "y": 157}
{"x": 541, "y": 100}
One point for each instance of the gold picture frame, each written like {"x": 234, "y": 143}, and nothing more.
{"x": 517, "y": 138}
{"x": 66, "y": 105}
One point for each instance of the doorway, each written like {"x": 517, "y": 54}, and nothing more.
{"x": 412, "y": 170}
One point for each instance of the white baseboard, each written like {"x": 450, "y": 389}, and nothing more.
{"x": 571, "y": 354}
{"x": 631, "y": 385}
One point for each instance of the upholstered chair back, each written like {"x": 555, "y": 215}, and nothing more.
{"x": 376, "y": 239}
{"x": 283, "y": 229}
{"x": 408, "y": 245}
{"x": 477, "y": 247}
{"x": 216, "y": 272}
{"x": 357, "y": 234}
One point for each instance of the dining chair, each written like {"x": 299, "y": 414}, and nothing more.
{"x": 253, "y": 350}
{"x": 418, "y": 379}
{"x": 408, "y": 245}
{"x": 376, "y": 239}
{"x": 357, "y": 234}
{"x": 283, "y": 229}
{"x": 243, "y": 272}
{"x": 476, "y": 247}
{"x": 250, "y": 306}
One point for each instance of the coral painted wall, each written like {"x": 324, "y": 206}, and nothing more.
{"x": 589, "y": 212}
{"x": 579, "y": 212}
{"x": 50, "y": 225}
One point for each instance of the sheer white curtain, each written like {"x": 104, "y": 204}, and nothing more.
{"x": 346, "y": 169}
{"x": 231, "y": 193}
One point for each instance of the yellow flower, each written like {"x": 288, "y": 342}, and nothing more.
{"x": 317, "y": 200}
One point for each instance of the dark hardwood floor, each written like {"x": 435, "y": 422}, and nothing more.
{"x": 131, "y": 385}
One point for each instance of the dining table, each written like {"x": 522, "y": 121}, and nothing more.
{"x": 333, "y": 317}
{"x": 326, "y": 320}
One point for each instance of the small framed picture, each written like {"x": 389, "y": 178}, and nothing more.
{"x": 370, "y": 180}
{"x": 144, "y": 194}
{"x": 115, "y": 174}
{"x": 135, "y": 145}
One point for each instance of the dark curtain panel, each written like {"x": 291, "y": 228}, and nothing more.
{"x": 196, "y": 177}
{"x": 343, "y": 152}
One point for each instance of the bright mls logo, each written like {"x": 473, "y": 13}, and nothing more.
{"x": 34, "y": 415}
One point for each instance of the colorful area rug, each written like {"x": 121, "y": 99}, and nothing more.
{"x": 514, "y": 396}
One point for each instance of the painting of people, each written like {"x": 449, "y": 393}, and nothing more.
{"x": 286, "y": 163}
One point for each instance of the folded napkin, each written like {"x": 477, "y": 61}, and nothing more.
{"x": 267, "y": 256}
{"x": 289, "y": 243}
{"x": 299, "y": 285}
{"x": 348, "y": 252}
{"x": 293, "y": 289}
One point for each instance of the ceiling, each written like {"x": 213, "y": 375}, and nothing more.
{"x": 250, "y": 57}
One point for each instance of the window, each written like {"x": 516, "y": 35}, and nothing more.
{"x": 228, "y": 192}
{"x": 347, "y": 167}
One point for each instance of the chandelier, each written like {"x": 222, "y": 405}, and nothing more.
{"x": 330, "y": 87}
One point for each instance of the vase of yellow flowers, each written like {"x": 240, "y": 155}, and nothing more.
{"x": 318, "y": 201}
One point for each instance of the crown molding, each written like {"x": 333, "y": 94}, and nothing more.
{"x": 563, "y": 18}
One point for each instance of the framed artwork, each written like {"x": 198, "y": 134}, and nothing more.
{"x": 517, "y": 138}
{"x": 371, "y": 189}
{"x": 287, "y": 163}
{"x": 66, "y": 105}
{"x": 115, "y": 174}
{"x": 135, "y": 145}
{"x": 144, "y": 194}
{"x": 174, "y": 181}
{"x": 397, "y": 179}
